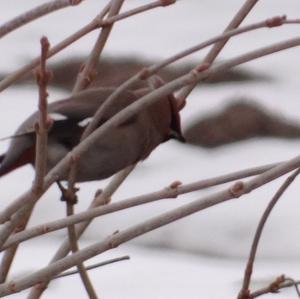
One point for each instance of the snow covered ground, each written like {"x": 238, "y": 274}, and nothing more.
{"x": 219, "y": 238}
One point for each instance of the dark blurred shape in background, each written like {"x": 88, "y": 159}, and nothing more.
{"x": 238, "y": 121}
{"x": 114, "y": 71}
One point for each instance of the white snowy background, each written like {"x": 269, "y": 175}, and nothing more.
{"x": 203, "y": 255}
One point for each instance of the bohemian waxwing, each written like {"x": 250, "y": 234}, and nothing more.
{"x": 122, "y": 146}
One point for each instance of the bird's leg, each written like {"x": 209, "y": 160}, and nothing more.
{"x": 66, "y": 194}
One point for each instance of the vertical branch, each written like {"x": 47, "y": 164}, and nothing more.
{"x": 9, "y": 254}
{"x": 43, "y": 124}
{"x": 42, "y": 127}
{"x": 245, "y": 292}
{"x": 83, "y": 80}
{"x": 101, "y": 198}
{"x": 74, "y": 247}
{"x": 217, "y": 48}
{"x": 88, "y": 72}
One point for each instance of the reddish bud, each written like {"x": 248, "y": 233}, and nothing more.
{"x": 237, "y": 189}
{"x": 276, "y": 21}
{"x": 75, "y": 2}
{"x": 45, "y": 43}
{"x": 175, "y": 184}
{"x": 167, "y": 2}
{"x": 202, "y": 67}
{"x": 12, "y": 286}
{"x": 144, "y": 74}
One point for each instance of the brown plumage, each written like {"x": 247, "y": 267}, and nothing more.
{"x": 130, "y": 142}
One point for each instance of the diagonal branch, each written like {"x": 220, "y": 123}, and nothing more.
{"x": 102, "y": 198}
{"x": 75, "y": 248}
{"x": 169, "y": 192}
{"x": 279, "y": 283}
{"x": 235, "y": 191}
{"x": 245, "y": 291}
{"x": 95, "y": 266}
{"x": 42, "y": 126}
{"x": 149, "y": 71}
{"x": 137, "y": 106}
{"x": 93, "y": 25}
{"x": 85, "y": 76}
{"x": 83, "y": 79}
{"x": 34, "y": 14}
{"x": 217, "y": 48}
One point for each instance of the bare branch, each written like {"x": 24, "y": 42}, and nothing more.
{"x": 83, "y": 80}
{"x": 245, "y": 291}
{"x": 137, "y": 106}
{"x": 9, "y": 254}
{"x": 94, "y": 24}
{"x": 149, "y": 71}
{"x": 138, "y": 10}
{"x": 217, "y": 48}
{"x": 75, "y": 248}
{"x": 132, "y": 202}
{"x": 235, "y": 191}
{"x": 101, "y": 198}
{"x": 34, "y": 14}
{"x": 279, "y": 283}
{"x": 95, "y": 266}
{"x": 85, "y": 77}
{"x": 41, "y": 156}
{"x": 44, "y": 122}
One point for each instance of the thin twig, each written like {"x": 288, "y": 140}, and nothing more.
{"x": 42, "y": 127}
{"x": 6, "y": 262}
{"x": 217, "y": 48}
{"x": 37, "y": 188}
{"x": 137, "y": 106}
{"x": 245, "y": 291}
{"x": 95, "y": 266}
{"x": 86, "y": 281}
{"x": 86, "y": 75}
{"x": 34, "y": 14}
{"x": 235, "y": 191}
{"x": 43, "y": 124}
{"x": 269, "y": 23}
{"x": 9, "y": 254}
{"x": 93, "y": 25}
{"x": 101, "y": 198}
{"x": 83, "y": 79}
{"x": 149, "y": 71}
{"x": 170, "y": 192}
{"x": 279, "y": 283}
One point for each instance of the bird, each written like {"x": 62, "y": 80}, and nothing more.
{"x": 130, "y": 142}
